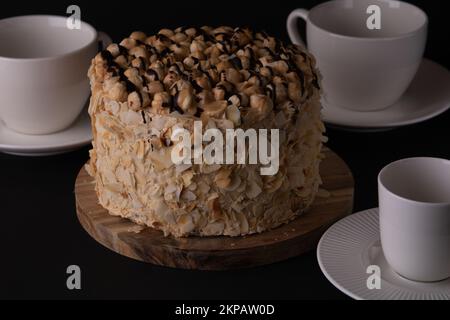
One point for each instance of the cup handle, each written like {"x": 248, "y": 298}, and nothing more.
{"x": 291, "y": 25}
{"x": 104, "y": 40}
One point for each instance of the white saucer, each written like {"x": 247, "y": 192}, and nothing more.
{"x": 350, "y": 246}
{"x": 427, "y": 97}
{"x": 77, "y": 135}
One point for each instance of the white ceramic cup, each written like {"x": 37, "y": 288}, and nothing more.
{"x": 414, "y": 204}
{"x": 43, "y": 72}
{"x": 363, "y": 69}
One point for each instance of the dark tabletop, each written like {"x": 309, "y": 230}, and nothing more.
{"x": 41, "y": 236}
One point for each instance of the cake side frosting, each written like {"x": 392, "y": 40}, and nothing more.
{"x": 145, "y": 88}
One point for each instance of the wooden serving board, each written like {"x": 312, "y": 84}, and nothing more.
{"x": 219, "y": 253}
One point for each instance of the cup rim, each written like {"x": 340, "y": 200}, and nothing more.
{"x": 57, "y": 56}
{"x": 395, "y": 195}
{"x": 359, "y": 38}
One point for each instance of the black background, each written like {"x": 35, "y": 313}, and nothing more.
{"x": 39, "y": 232}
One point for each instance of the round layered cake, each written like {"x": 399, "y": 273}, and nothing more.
{"x": 148, "y": 87}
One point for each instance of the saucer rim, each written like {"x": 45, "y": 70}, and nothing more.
{"x": 50, "y": 148}
{"x": 390, "y": 125}
{"x": 335, "y": 283}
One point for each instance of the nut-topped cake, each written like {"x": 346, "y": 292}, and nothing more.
{"x": 148, "y": 87}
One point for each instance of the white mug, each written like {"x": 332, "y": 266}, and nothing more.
{"x": 43, "y": 78}
{"x": 363, "y": 69}
{"x": 414, "y": 205}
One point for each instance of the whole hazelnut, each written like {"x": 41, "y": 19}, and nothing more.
{"x": 185, "y": 99}
{"x": 190, "y": 62}
{"x": 235, "y": 100}
{"x": 159, "y": 100}
{"x": 138, "y": 35}
{"x": 219, "y": 93}
{"x": 128, "y": 43}
{"x": 166, "y": 32}
{"x": 118, "y": 92}
{"x": 138, "y": 52}
{"x": 203, "y": 82}
{"x": 114, "y": 49}
{"x": 190, "y": 32}
{"x": 170, "y": 78}
{"x": 154, "y": 87}
{"x": 137, "y": 100}
{"x": 179, "y": 51}
{"x": 215, "y": 109}
{"x": 233, "y": 76}
{"x": 280, "y": 67}
{"x": 179, "y": 37}
{"x": 122, "y": 61}
{"x": 134, "y": 101}
{"x": 138, "y": 63}
{"x": 262, "y": 104}
{"x": 197, "y": 46}
{"x": 133, "y": 75}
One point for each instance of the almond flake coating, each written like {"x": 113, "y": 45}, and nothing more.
{"x": 146, "y": 87}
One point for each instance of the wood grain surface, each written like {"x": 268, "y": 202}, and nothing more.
{"x": 219, "y": 253}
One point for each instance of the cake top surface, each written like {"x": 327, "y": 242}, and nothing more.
{"x": 205, "y": 71}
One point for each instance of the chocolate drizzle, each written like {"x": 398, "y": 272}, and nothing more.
{"x": 206, "y": 36}
{"x": 198, "y": 112}
{"x": 107, "y": 56}
{"x": 128, "y": 84}
{"x": 241, "y": 49}
{"x": 164, "y": 52}
{"x": 196, "y": 86}
{"x": 152, "y": 74}
{"x": 196, "y": 61}
{"x": 236, "y": 62}
{"x": 177, "y": 69}
{"x": 271, "y": 92}
{"x": 293, "y": 68}
{"x": 172, "y": 105}
{"x": 122, "y": 50}
{"x": 164, "y": 38}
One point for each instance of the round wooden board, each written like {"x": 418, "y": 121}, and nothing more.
{"x": 219, "y": 253}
